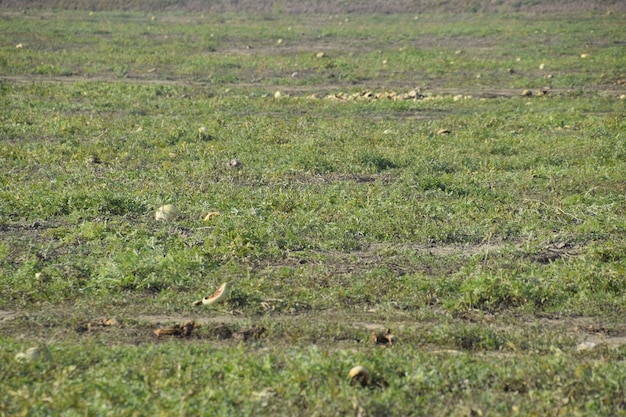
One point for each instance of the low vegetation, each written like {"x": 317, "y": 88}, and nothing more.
{"x": 456, "y": 178}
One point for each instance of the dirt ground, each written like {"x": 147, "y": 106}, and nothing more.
{"x": 221, "y": 327}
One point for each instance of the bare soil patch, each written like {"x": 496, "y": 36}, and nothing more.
{"x": 276, "y": 329}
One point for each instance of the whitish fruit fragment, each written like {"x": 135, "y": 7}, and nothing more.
{"x": 361, "y": 375}
{"x": 218, "y": 296}
{"x": 166, "y": 212}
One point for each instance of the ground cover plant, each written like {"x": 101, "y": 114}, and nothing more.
{"x": 458, "y": 179}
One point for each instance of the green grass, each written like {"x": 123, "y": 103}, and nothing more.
{"x": 171, "y": 378}
{"x": 491, "y": 251}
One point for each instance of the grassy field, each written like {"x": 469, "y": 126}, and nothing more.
{"x": 459, "y": 179}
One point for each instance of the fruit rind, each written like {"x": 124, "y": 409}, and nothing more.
{"x": 220, "y": 295}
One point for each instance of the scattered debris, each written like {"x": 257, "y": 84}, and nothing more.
{"x": 180, "y": 330}
{"x": 220, "y": 332}
{"x": 369, "y": 95}
{"x": 526, "y": 93}
{"x": 104, "y": 322}
{"x": 385, "y": 338}
{"x": 247, "y": 334}
{"x": 235, "y": 163}
{"x": 85, "y": 327}
{"x": 443, "y": 131}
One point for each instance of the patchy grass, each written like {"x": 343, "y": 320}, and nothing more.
{"x": 386, "y": 186}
